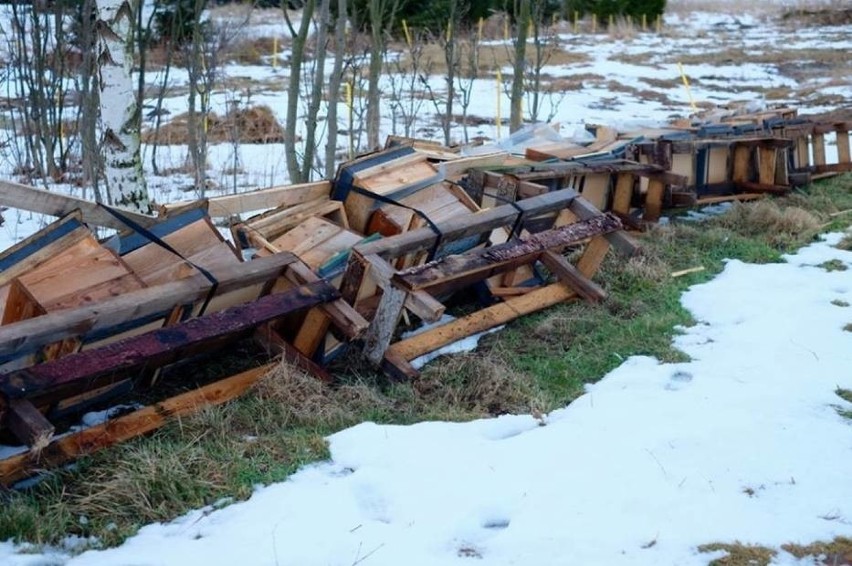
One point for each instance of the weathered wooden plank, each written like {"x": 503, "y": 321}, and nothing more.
{"x": 380, "y": 333}
{"x": 29, "y": 335}
{"x": 137, "y": 423}
{"x": 480, "y": 321}
{"x": 843, "y": 167}
{"x": 742, "y": 160}
{"x": 28, "y": 424}
{"x": 623, "y": 193}
{"x": 843, "y": 155}
{"x": 593, "y": 256}
{"x": 52, "y": 203}
{"x": 819, "y": 148}
{"x": 439, "y": 276}
{"x": 84, "y": 370}
{"x": 424, "y": 305}
{"x": 654, "y": 201}
{"x": 766, "y": 157}
{"x": 274, "y": 197}
{"x": 573, "y": 277}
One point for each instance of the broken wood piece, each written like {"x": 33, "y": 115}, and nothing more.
{"x": 28, "y": 424}
{"x": 683, "y": 272}
{"x": 480, "y": 321}
{"x": 275, "y": 197}
{"x": 53, "y": 203}
{"x": 572, "y": 277}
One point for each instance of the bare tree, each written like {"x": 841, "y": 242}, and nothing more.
{"x": 334, "y": 85}
{"x": 39, "y": 57}
{"x": 381, "y": 15}
{"x": 297, "y": 57}
{"x": 523, "y": 17}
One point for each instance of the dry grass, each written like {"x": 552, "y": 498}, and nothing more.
{"x": 781, "y": 225}
{"x": 490, "y": 57}
{"x": 739, "y": 554}
{"x": 251, "y": 125}
{"x": 845, "y": 243}
{"x": 836, "y": 552}
{"x": 481, "y": 383}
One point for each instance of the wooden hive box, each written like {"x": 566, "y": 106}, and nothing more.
{"x": 390, "y": 174}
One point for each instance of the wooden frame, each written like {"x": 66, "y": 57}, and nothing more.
{"x": 417, "y": 289}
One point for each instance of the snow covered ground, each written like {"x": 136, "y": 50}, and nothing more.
{"x": 744, "y": 443}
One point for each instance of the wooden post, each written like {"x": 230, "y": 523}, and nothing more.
{"x": 379, "y": 334}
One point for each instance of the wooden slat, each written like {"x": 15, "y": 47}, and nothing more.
{"x": 274, "y": 197}
{"x": 843, "y": 155}
{"x": 573, "y": 277}
{"x": 742, "y": 160}
{"x": 624, "y": 244}
{"x": 380, "y": 333}
{"x": 653, "y": 201}
{"x": 28, "y": 424}
{"x": 137, "y": 423}
{"x": 18, "y": 304}
{"x": 52, "y": 203}
{"x": 480, "y": 321}
{"x": 593, "y": 256}
{"x": 766, "y": 165}
{"x": 623, "y": 193}
{"x": 819, "y": 148}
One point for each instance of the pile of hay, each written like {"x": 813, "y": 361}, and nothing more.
{"x": 246, "y": 125}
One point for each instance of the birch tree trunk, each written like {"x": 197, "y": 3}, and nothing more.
{"x": 119, "y": 108}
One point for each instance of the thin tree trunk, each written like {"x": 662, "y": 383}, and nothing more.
{"x": 517, "y": 94}
{"x": 316, "y": 91}
{"x": 334, "y": 89}
{"x": 300, "y": 39}
{"x": 120, "y": 113}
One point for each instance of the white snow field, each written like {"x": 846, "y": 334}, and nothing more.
{"x": 745, "y": 442}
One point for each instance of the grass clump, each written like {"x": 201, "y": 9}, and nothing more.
{"x": 839, "y": 303}
{"x": 837, "y": 551}
{"x": 739, "y": 554}
{"x": 833, "y": 265}
{"x": 846, "y": 395}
